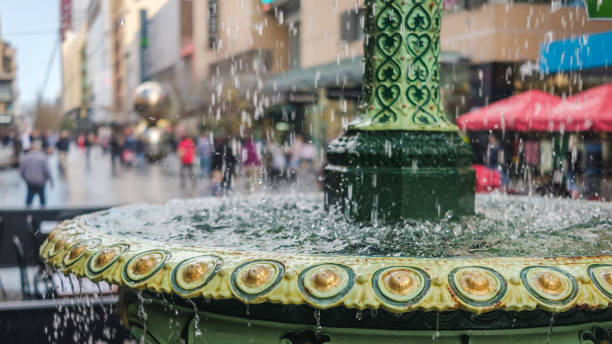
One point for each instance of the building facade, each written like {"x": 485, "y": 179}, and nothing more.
{"x": 504, "y": 39}
{"x": 74, "y": 74}
{"x": 297, "y": 65}
{"x": 98, "y": 56}
{"x": 131, "y": 19}
{"x": 8, "y": 82}
{"x": 73, "y": 31}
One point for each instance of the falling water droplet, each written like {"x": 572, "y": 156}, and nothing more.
{"x": 436, "y": 335}
{"x": 196, "y": 319}
{"x": 317, "y": 316}
{"x": 550, "y": 328}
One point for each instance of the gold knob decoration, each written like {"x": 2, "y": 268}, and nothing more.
{"x": 194, "y": 271}
{"x": 478, "y": 284}
{"x": 400, "y": 284}
{"x": 606, "y": 276}
{"x": 143, "y": 266}
{"x": 257, "y": 275}
{"x": 475, "y": 283}
{"x": 59, "y": 245}
{"x": 550, "y": 283}
{"x": 326, "y": 279}
{"x": 256, "y": 278}
{"x": 106, "y": 256}
{"x": 103, "y": 259}
{"x": 398, "y": 281}
{"x": 601, "y": 275}
{"x": 76, "y": 251}
{"x": 146, "y": 263}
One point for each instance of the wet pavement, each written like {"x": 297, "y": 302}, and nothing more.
{"x": 90, "y": 182}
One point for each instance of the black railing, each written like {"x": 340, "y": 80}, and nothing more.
{"x": 33, "y": 317}
{"x": 25, "y": 225}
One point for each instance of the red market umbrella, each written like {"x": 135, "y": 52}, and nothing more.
{"x": 588, "y": 110}
{"x": 520, "y": 112}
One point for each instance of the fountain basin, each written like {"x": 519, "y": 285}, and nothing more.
{"x": 282, "y": 289}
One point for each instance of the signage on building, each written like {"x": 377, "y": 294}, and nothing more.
{"x": 599, "y": 9}
{"x": 6, "y": 119}
{"x": 343, "y": 93}
{"x": 65, "y": 17}
{"x": 583, "y": 52}
{"x": 265, "y": 5}
{"x": 302, "y": 98}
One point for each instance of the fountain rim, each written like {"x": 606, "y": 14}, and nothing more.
{"x": 478, "y": 285}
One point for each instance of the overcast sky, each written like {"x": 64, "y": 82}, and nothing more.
{"x": 32, "y": 26}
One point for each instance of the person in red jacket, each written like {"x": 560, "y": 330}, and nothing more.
{"x": 186, "y": 153}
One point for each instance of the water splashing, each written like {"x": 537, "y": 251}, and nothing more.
{"x": 196, "y": 319}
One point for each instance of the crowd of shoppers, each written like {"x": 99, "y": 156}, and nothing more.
{"x": 223, "y": 159}
{"x": 221, "y": 163}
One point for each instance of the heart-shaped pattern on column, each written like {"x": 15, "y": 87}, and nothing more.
{"x": 389, "y": 44}
{"x": 437, "y": 20}
{"x": 389, "y": 71}
{"x": 387, "y": 95}
{"x": 418, "y": 19}
{"x": 418, "y": 96}
{"x": 418, "y": 45}
{"x": 385, "y": 116}
{"x": 389, "y": 18}
{"x": 423, "y": 117}
{"x": 435, "y": 47}
{"x": 417, "y": 71}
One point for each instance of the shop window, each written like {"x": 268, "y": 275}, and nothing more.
{"x": 213, "y": 23}
{"x": 351, "y": 26}
{"x": 294, "y": 45}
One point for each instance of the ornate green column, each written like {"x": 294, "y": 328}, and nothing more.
{"x": 401, "y": 158}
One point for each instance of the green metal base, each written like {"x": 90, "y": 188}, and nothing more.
{"x": 390, "y": 194}
{"x": 157, "y": 321}
{"x": 389, "y": 176}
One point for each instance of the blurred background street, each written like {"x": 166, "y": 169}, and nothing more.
{"x": 90, "y": 182}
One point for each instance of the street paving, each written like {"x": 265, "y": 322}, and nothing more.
{"x": 92, "y": 183}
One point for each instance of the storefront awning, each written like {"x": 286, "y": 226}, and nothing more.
{"x": 584, "y": 52}
{"x": 345, "y": 73}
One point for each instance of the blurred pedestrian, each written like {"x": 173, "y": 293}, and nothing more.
{"x": 139, "y": 150}
{"x": 90, "y": 140}
{"x": 224, "y": 161}
{"x": 186, "y": 154}
{"x": 277, "y": 162}
{"x": 495, "y": 158}
{"x": 302, "y": 162}
{"x": 250, "y": 163}
{"x": 204, "y": 147}
{"x": 63, "y": 145}
{"x": 35, "y": 172}
{"x": 573, "y": 161}
{"x": 81, "y": 142}
{"x": 25, "y": 141}
{"x": 216, "y": 183}
{"x": 116, "y": 148}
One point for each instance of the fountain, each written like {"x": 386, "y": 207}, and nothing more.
{"x": 397, "y": 250}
